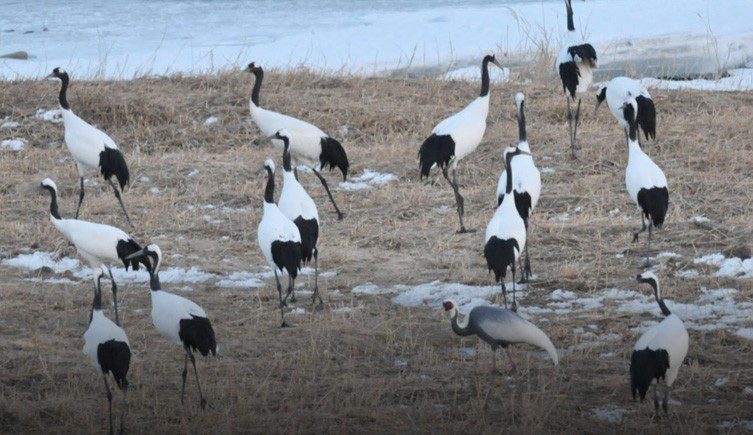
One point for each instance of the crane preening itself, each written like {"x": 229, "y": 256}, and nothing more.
{"x": 619, "y": 92}
{"x": 499, "y": 327}
{"x": 575, "y": 64}
{"x": 456, "y": 137}
{"x": 178, "y": 319}
{"x": 100, "y": 245}
{"x": 309, "y": 145}
{"x": 91, "y": 148}
{"x": 659, "y": 352}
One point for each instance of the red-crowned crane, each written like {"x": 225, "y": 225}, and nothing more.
{"x": 618, "y": 92}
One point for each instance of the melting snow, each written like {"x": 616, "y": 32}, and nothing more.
{"x": 721, "y": 382}
{"x": 53, "y": 115}
{"x": 367, "y": 180}
{"x": 745, "y": 333}
{"x": 241, "y": 279}
{"x": 211, "y": 120}
{"x": 739, "y": 79}
{"x": 687, "y": 273}
{"x": 547, "y": 170}
{"x": 9, "y": 124}
{"x": 728, "y": 267}
{"x": 700, "y": 219}
{"x": 564, "y": 217}
{"x": 610, "y": 415}
{"x": 16, "y": 144}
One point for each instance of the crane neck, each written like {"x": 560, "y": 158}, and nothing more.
{"x": 62, "y": 98}
{"x": 521, "y": 122}
{"x": 286, "y": 164}
{"x": 508, "y": 172}
{"x": 484, "y": 78}
{"x": 154, "y": 283}
{"x": 659, "y": 299}
{"x": 269, "y": 191}
{"x": 460, "y": 328}
{"x": 259, "y": 73}
{"x": 570, "y": 23}
{"x": 54, "y": 212}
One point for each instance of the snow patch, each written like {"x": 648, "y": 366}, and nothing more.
{"x": 367, "y": 180}
{"x": 739, "y": 79}
{"x": 17, "y": 144}
{"x": 211, "y": 120}
{"x": 609, "y": 415}
{"x": 733, "y": 267}
{"x": 54, "y": 116}
{"x": 9, "y": 124}
{"x": 746, "y": 333}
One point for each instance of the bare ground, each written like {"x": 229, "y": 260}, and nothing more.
{"x": 336, "y": 371}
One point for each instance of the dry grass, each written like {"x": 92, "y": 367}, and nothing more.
{"x": 335, "y": 372}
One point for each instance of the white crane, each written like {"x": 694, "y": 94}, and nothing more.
{"x": 618, "y": 92}
{"x": 645, "y": 181}
{"x": 309, "y": 146}
{"x": 279, "y": 240}
{"x": 91, "y": 148}
{"x": 505, "y": 234}
{"x": 526, "y": 181}
{"x": 659, "y": 352}
{"x": 100, "y": 245}
{"x": 456, "y": 137}
{"x": 106, "y": 344}
{"x": 499, "y": 327}
{"x": 575, "y": 64}
{"x": 298, "y": 206}
{"x": 178, "y": 319}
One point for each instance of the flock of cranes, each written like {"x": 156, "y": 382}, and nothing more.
{"x": 288, "y": 232}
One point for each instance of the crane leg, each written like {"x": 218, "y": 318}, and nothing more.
{"x": 665, "y": 402}
{"x": 494, "y": 361}
{"x": 316, "y": 294}
{"x": 637, "y": 232}
{"x": 575, "y": 127}
{"x": 114, "y": 296}
{"x": 282, "y": 303}
{"x": 504, "y": 291}
{"x": 340, "y": 215}
{"x": 459, "y": 200}
{"x": 109, "y": 399}
{"x": 202, "y": 400}
{"x": 656, "y": 398}
{"x": 184, "y": 375}
{"x": 525, "y": 263}
{"x": 513, "y": 367}
{"x": 120, "y": 200}
{"x": 123, "y": 406}
{"x": 570, "y": 127}
{"x": 291, "y": 289}
{"x": 514, "y": 306}
{"x": 648, "y": 246}
{"x": 80, "y": 195}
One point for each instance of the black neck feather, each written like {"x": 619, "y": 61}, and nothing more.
{"x": 521, "y": 122}
{"x": 662, "y": 306}
{"x": 154, "y": 283}
{"x": 570, "y": 24}
{"x": 484, "y": 78}
{"x": 286, "y": 165}
{"x": 259, "y": 73}
{"x": 97, "y": 302}
{"x": 53, "y": 202}
{"x": 508, "y": 167}
{"x": 269, "y": 192}
{"x": 63, "y": 89}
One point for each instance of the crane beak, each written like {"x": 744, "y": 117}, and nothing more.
{"x": 270, "y": 137}
{"x": 50, "y": 76}
{"x": 137, "y": 254}
{"x": 596, "y": 109}
{"x": 499, "y": 65}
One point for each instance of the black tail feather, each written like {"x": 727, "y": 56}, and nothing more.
{"x": 436, "y": 150}
{"x": 126, "y": 248}
{"x": 654, "y": 202}
{"x": 115, "y": 357}
{"x": 112, "y": 162}
{"x": 333, "y": 155}
{"x": 309, "y": 230}
{"x": 500, "y": 254}
{"x": 645, "y": 366}
{"x": 288, "y": 256}
{"x": 646, "y": 116}
{"x": 197, "y": 334}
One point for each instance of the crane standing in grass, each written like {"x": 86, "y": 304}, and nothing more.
{"x": 309, "y": 145}
{"x": 456, "y": 137}
{"x": 100, "y": 245}
{"x": 575, "y": 64}
{"x": 526, "y": 180}
{"x": 91, "y": 148}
